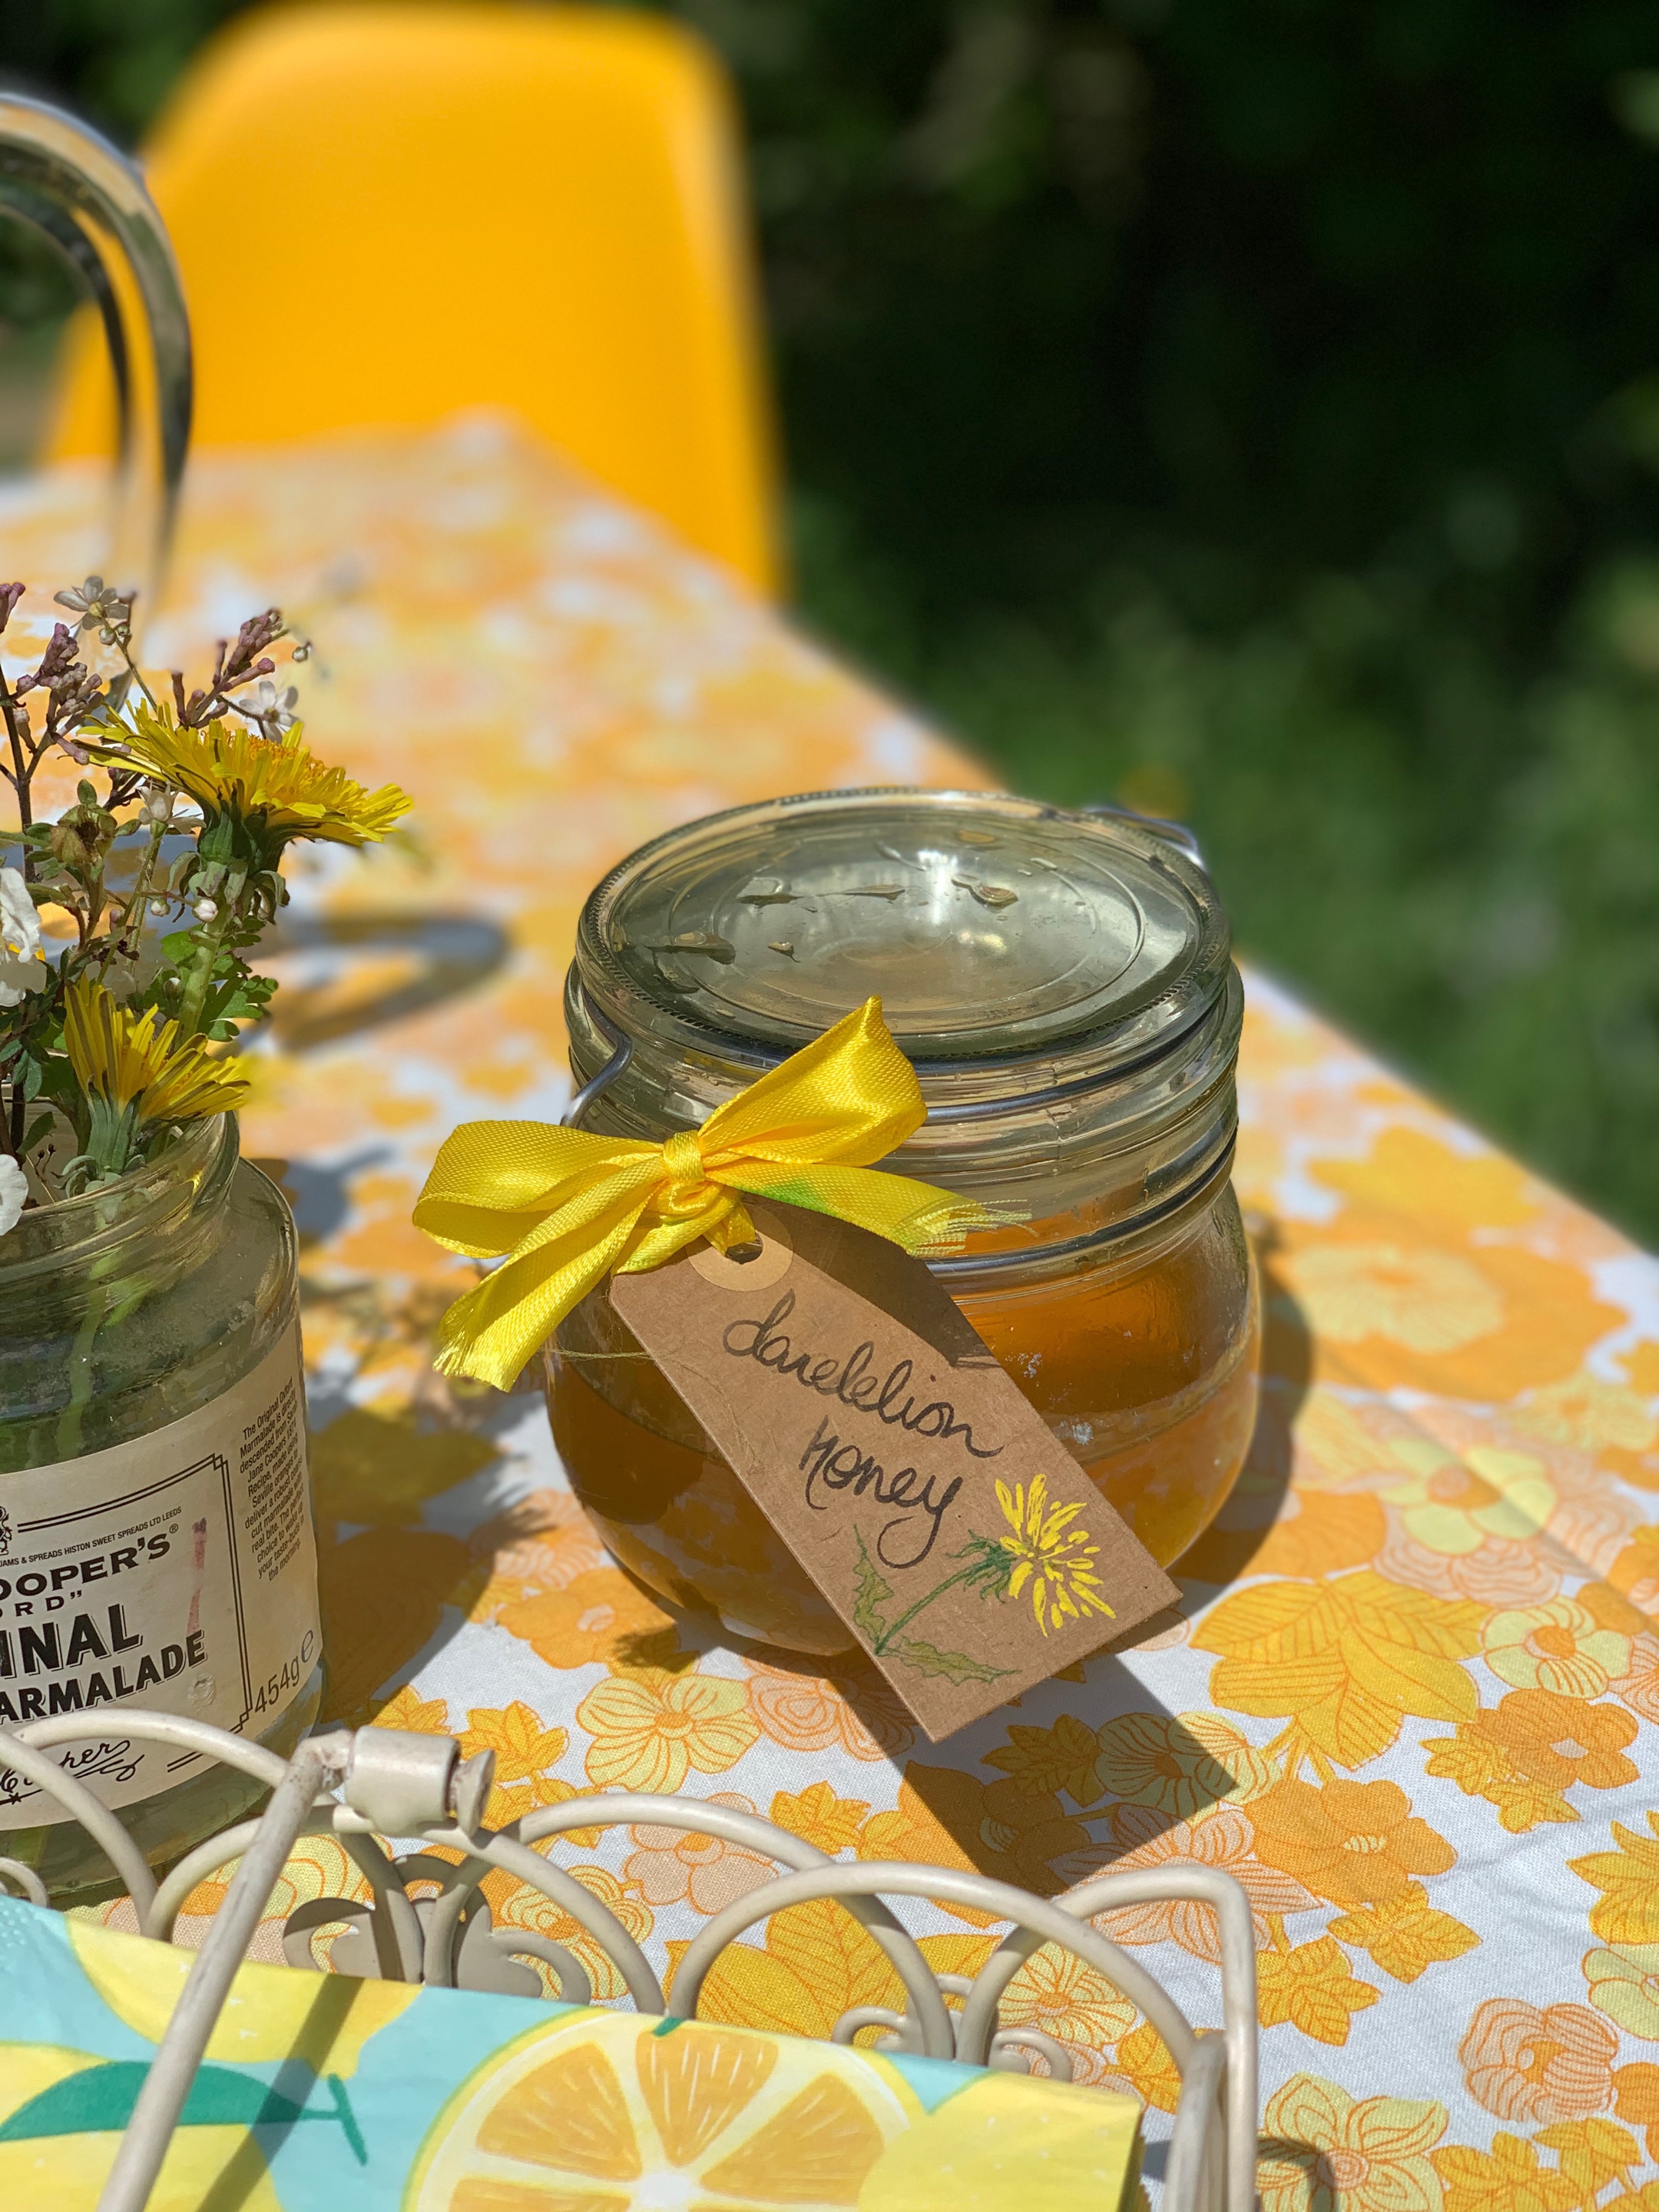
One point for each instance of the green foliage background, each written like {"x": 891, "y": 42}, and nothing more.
{"x": 1251, "y": 411}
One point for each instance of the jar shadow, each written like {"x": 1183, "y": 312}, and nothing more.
{"x": 1090, "y": 1769}
{"x": 1235, "y": 1541}
{"x": 392, "y": 1591}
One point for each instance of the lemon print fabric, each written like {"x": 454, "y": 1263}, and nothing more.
{"x": 319, "y": 2093}
{"x": 1006, "y": 2143}
{"x": 271, "y": 2013}
{"x": 609, "y": 2113}
{"x": 59, "y": 2138}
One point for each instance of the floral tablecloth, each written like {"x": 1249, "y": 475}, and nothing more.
{"x": 1414, "y": 1683}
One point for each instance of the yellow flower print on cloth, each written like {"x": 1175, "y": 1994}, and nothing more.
{"x": 1558, "y": 1646}
{"x": 1624, "y": 1983}
{"x": 1427, "y": 1301}
{"x": 1452, "y": 1504}
{"x": 1323, "y": 2147}
{"x": 650, "y": 1728}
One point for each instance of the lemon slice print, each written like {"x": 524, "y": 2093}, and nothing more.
{"x": 608, "y": 2114}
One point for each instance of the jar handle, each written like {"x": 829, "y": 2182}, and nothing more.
{"x": 89, "y": 201}
{"x": 1173, "y": 833}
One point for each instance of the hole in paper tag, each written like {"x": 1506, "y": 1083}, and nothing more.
{"x": 765, "y": 1264}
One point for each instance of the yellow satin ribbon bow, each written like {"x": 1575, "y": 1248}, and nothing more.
{"x": 569, "y": 1208}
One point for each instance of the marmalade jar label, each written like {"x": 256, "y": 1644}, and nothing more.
{"x": 177, "y": 1572}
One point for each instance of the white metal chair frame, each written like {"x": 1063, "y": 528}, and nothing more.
{"x": 392, "y": 1783}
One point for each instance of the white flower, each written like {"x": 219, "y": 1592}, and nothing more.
{"x": 14, "y": 1189}
{"x": 21, "y": 968}
{"x": 269, "y": 710}
{"x": 98, "y": 607}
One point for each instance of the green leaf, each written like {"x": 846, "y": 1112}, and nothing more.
{"x": 955, "y": 1666}
{"x": 869, "y": 1591}
{"x": 240, "y": 997}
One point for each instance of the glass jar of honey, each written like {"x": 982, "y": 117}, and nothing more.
{"x": 1063, "y": 986}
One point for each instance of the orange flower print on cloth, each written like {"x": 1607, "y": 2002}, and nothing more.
{"x": 597, "y": 1614}
{"x": 650, "y": 1728}
{"x": 1356, "y": 1843}
{"x": 1524, "y": 1755}
{"x": 1223, "y": 1838}
{"x": 543, "y": 1543}
{"x": 1536, "y": 2063}
{"x": 1178, "y": 1765}
{"x": 1558, "y": 1646}
{"x": 1639, "y": 1687}
{"x": 676, "y": 1865}
{"x": 1325, "y": 2150}
{"x": 859, "y": 1715}
{"x": 999, "y": 1829}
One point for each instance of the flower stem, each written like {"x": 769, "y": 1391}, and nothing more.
{"x": 939, "y": 1589}
{"x": 199, "y": 976}
{"x": 22, "y": 772}
{"x": 117, "y": 938}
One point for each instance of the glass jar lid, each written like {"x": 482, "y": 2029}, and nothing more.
{"x": 993, "y": 928}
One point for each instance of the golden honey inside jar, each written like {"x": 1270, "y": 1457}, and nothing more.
{"x": 1063, "y": 986}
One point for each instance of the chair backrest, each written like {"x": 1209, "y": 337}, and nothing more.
{"x": 386, "y": 212}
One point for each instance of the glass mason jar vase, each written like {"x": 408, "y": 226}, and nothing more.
{"x": 1062, "y": 984}
{"x": 155, "y": 1533}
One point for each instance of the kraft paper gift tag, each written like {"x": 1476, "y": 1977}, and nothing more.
{"x": 968, "y": 1551}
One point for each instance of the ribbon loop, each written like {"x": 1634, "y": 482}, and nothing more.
{"x": 687, "y": 1186}
{"x": 566, "y": 1207}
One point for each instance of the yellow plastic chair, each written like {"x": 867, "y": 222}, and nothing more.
{"x": 384, "y": 213}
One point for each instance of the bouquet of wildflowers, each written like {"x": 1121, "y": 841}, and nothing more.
{"x": 168, "y": 869}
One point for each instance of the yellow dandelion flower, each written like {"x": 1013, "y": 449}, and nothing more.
{"x": 270, "y": 786}
{"x": 127, "y": 1061}
{"x": 1056, "y": 1561}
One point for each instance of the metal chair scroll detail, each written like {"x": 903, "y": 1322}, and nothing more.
{"x": 389, "y": 1783}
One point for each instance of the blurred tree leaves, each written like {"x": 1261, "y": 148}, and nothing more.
{"x": 1296, "y": 282}
{"x": 1251, "y": 410}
